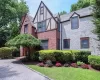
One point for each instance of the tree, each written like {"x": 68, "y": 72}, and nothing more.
{"x": 24, "y": 40}
{"x": 96, "y": 15}
{"x": 63, "y": 12}
{"x": 81, "y": 4}
{"x": 11, "y": 12}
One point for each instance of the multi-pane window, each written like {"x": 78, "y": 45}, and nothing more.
{"x": 74, "y": 22}
{"x": 41, "y": 26}
{"x": 85, "y": 42}
{"x": 26, "y": 28}
{"x": 66, "y": 43}
{"x": 41, "y": 10}
{"x": 44, "y": 44}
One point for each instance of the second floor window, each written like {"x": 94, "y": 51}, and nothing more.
{"x": 41, "y": 26}
{"x": 74, "y": 22}
{"x": 26, "y": 28}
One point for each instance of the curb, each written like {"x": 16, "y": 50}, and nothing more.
{"x": 36, "y": 72}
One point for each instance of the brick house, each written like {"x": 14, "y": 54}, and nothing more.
{"x": 69, "y": 31}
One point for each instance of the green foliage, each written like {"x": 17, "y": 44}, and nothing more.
{"x": 25, "y": 40}
{"x": 79, "y": 63}
{"x": 63, "y": 12}
{"x": 94, "y": 61}
{"x": 6, "y": 52}
{"x": 35, "y": 56}
{"x": 96, "y": 20}
{"x": 64, "y": 55}
{"x": 81, "y": 4}
{"x": 11, "y": 12}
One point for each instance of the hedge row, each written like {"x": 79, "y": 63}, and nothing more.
{"x": 64, "y": 55}
{"x": 6, "y": 52}
{"x": 94, "y": 61}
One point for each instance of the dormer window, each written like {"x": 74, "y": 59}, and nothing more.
{"x": 26, "y": 28}
{"x": 41, "y": 10}
{"x": 75, "y": 22}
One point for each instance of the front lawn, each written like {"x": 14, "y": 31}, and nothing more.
{"x": 63, "y": 73}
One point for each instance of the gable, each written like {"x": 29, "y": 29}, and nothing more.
{"x": 44, "y": 14}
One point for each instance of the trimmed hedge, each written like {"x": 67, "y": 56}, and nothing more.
{"x": 94, "y": 61}
{"x": 64, "y": 55}
{"x": 6, "y": 52}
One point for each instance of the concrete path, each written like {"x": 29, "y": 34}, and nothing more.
{"x": 14, "y": 70}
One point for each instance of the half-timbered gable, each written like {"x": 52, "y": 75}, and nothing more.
{"x": 44, "y": 18}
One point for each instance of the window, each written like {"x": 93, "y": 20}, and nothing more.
{"x": 66, "y": 43}
{"x": 44, "y": 44}
{"x": 26, "y": 28}
{"x": 41, "y": 10}
{"x": 41, "y": 27}
{"x": 85, "y": 42}
{"x": 74, "y": 22}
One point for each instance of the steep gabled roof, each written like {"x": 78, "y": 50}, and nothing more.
{"x": 82, "y": 12}
{"x": 47, "y": 9}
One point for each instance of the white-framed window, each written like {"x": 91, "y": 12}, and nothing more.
{"x": 75, "y": 22}
{"x": 41, "y": 26}
{"x": 26, "y": 28}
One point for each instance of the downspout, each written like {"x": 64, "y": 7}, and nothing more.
{"x": 60, "y": 32}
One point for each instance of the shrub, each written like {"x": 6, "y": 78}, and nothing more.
{"x": 66, "y": 65}
{"x": 49, "y": 63}
{"x": 58, "y": 64}
{"x": 74, "y": 65}
{"x": 80, "y": 55}
{"x": 84, "y": 66}
{"x": 35, "y": 56}
{"x": 79, "y": 63}
{"x": 41, "y": 64}
{"x": 6, "y": 52}
{"x": 64, "y": 55}
{"x": 94, "y": 61}
{"x": 47, "y": 55}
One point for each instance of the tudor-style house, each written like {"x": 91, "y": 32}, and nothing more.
{"x": 72, "y": 31}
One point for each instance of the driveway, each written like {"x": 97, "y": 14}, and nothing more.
{"x": 14, "y": 70}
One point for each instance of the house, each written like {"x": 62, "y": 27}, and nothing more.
{"x": 69, "y": 31}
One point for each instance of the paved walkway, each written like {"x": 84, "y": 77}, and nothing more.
{"x": 14, "y": 70}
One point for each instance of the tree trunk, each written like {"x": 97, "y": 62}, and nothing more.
{"x": 29, "y": 52}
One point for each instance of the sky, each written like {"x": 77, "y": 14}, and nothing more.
{"x": 54, "y": 6}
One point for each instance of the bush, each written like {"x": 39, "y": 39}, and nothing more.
{"x": 80, "y": 55}
{"x": 79, "y": 63}
{"x": 74, "y": 65}
{"x": 47, "y": 55}
{"x": 58, "y": 64}
{"x": 64, "y": 55}
{"x": 94, "y": 61}
{"x": 41, "y": 64}
{"x": 35, "y": 56}
{"x": 49, "y": 63}
{"x": 6, "y": 52}
{"x": 84, "y": 66}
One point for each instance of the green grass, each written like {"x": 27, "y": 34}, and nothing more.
{"x": 64, "y": 73}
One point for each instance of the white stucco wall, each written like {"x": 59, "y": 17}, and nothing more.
{"x": 85, "y": 30}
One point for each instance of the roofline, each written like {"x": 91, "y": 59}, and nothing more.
{"x": 47, "y": 9}
{"x": 80, "y": 17}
